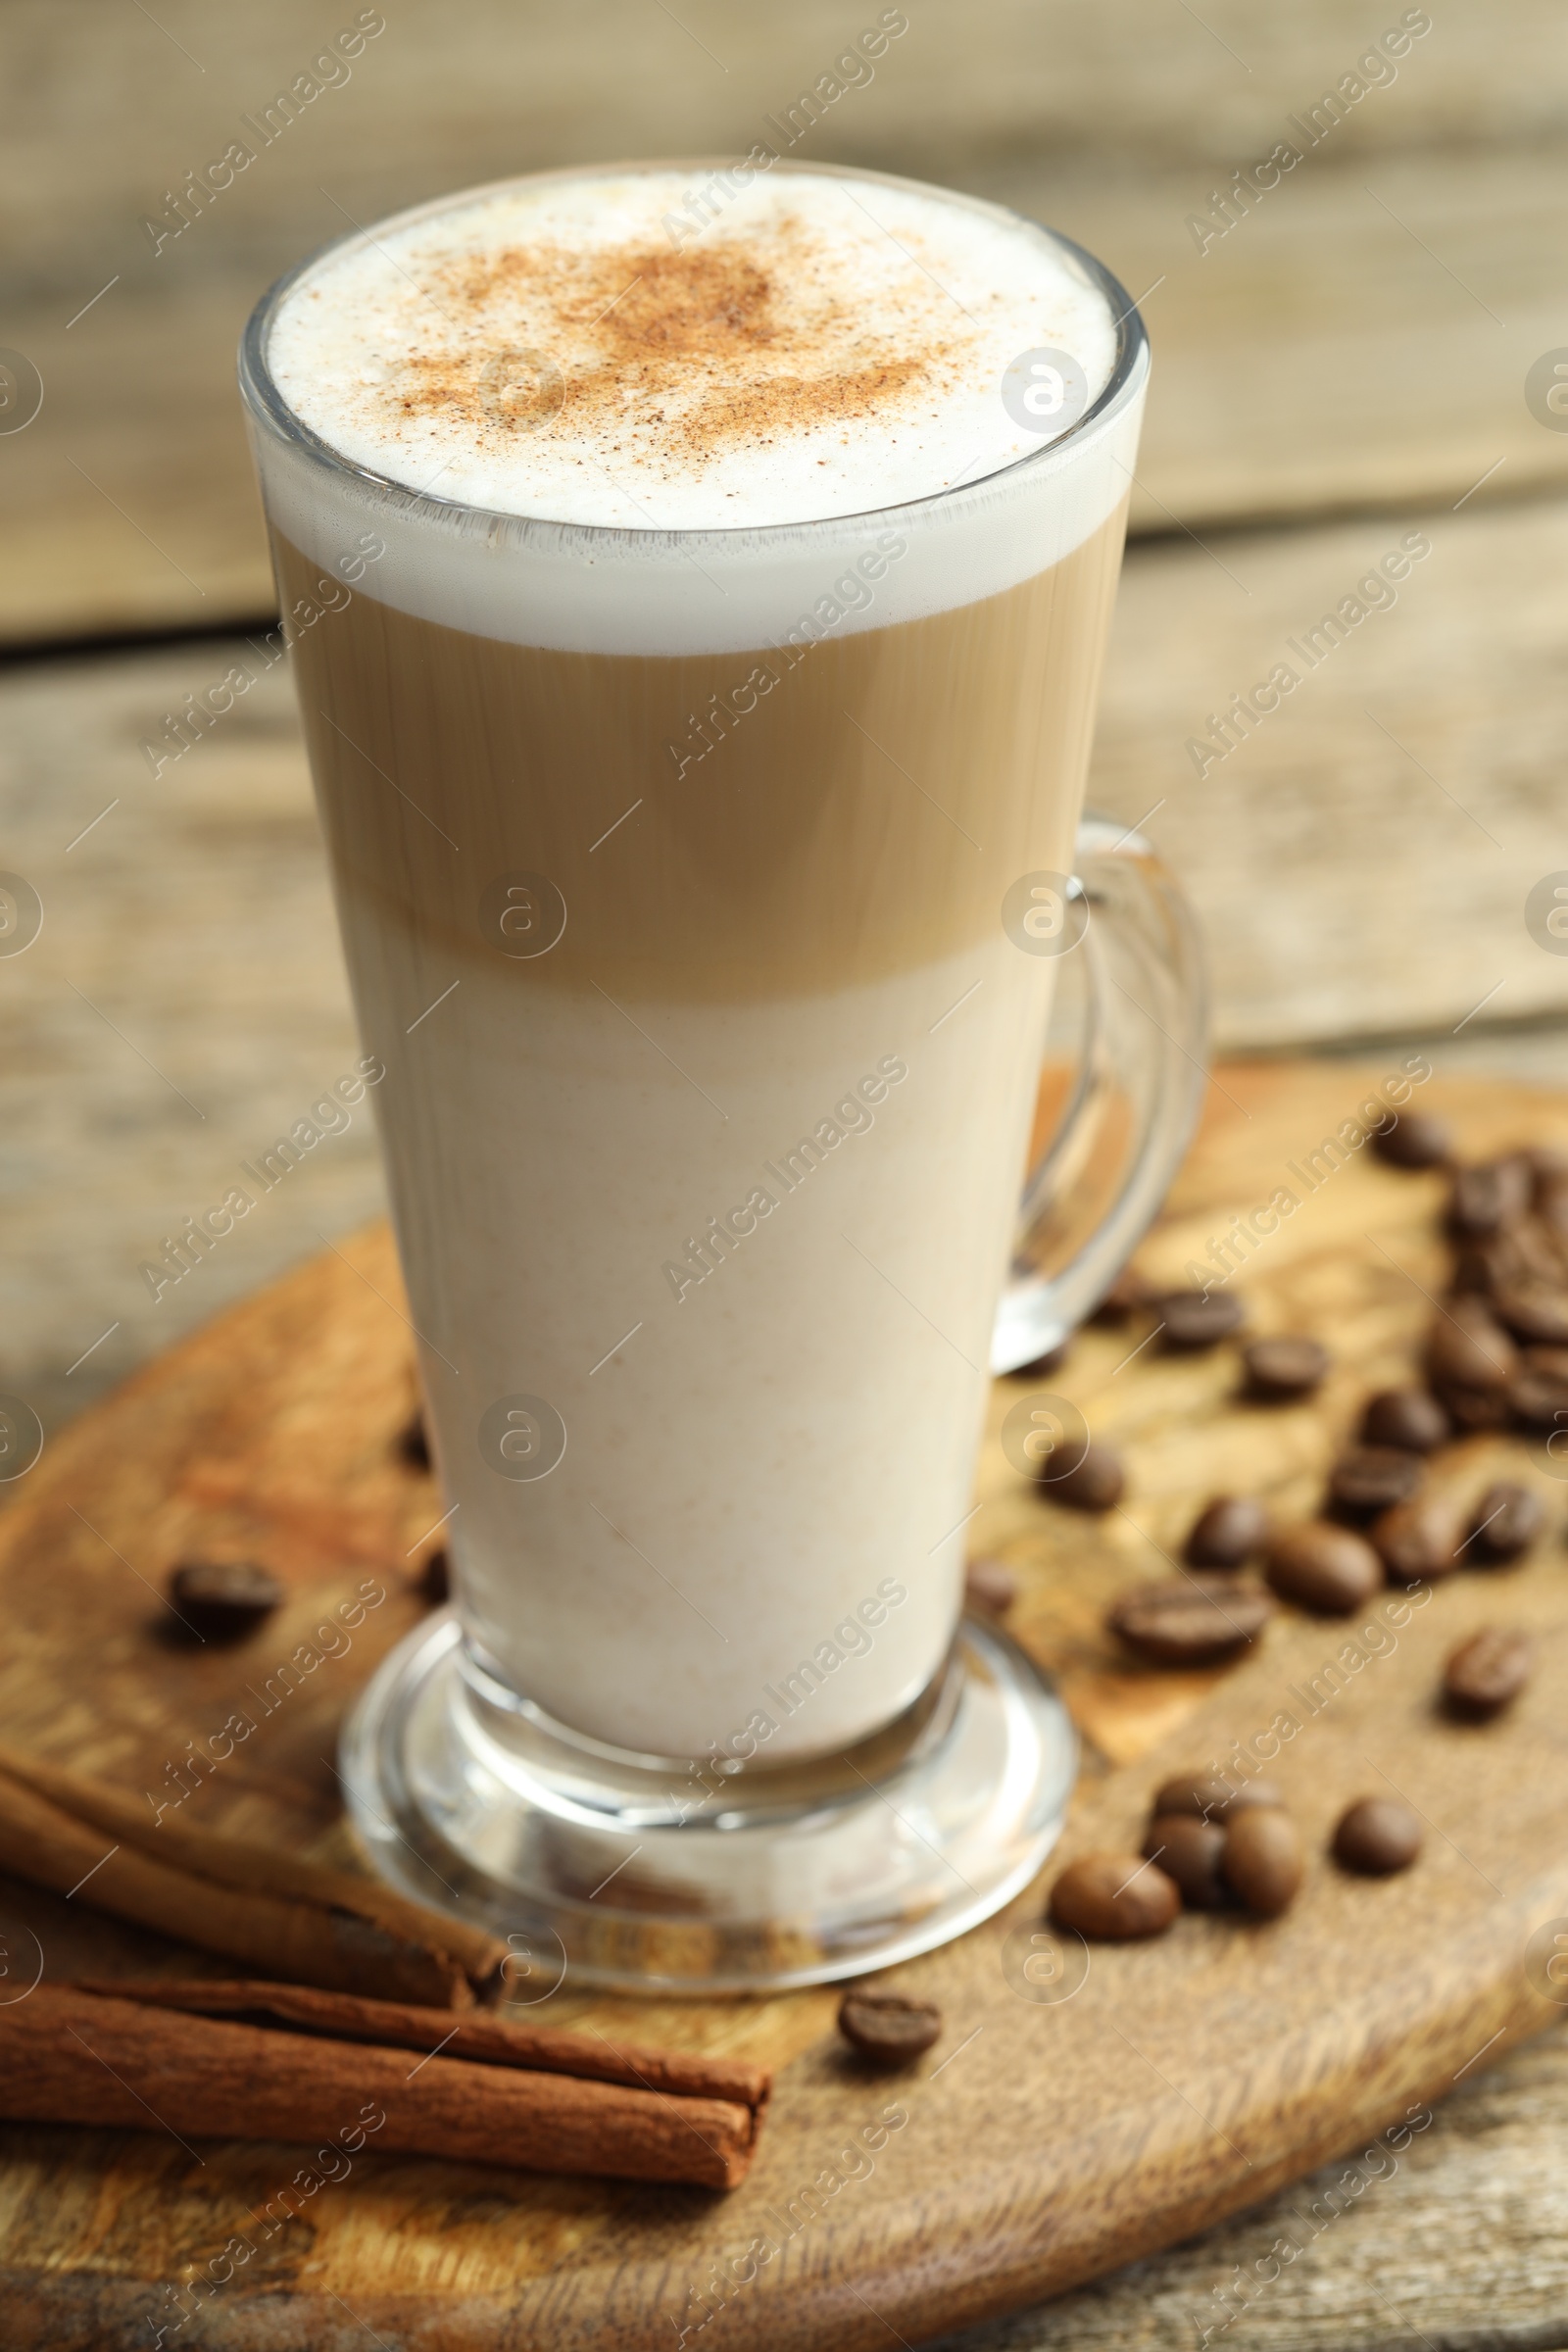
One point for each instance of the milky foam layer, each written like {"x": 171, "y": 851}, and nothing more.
{"x": 407, "y": 436}
{"x": 584, "y": 348}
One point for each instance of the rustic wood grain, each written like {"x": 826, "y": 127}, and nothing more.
{"x": 1461, "y": 2246}
{"x": 1361, "y": 338}
{"x": 1042, "y": 2145}
{"x": 1362, "y": 859}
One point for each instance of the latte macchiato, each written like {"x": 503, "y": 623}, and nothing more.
{"x": 727, "y": 650}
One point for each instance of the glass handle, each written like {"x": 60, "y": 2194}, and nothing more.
{"x": 1122, "y": 1078}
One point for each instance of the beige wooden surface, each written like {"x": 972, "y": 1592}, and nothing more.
{"x": 1360, "y": 339}
{"x": 1465, "y": 2247}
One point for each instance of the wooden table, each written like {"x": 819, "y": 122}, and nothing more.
{"x": 1348, "y": 363}
{"x": 1046, "y": 2144}
{"x": 1041, "y": 2144}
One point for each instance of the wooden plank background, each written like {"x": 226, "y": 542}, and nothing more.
{"x": 1346, "y": 365}
{"x": 1361, "y": 338}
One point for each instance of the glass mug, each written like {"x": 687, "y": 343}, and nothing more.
{"x": 712, "y": 1050}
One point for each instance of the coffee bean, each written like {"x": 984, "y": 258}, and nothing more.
{"x": 1114, "y": 1898}
{"x": 434, "y": 1582}
{"x": 1489, "y": 1670}
{"x": 415, "y": 1444}
{"x": 1188, "y": 1850}
{"x": 1483, "y": 1268}
{"x": 1377, "y": 1835}
{"x": 1128, "y": 1296}
{"x": 1538, "y": 1394}
{"x": 890, "y": 2026}
{"x": 1096, "y": 1481}
{"x": 1490, "y": 1194}
{"x": 1507, "y": 1520}
{"x": 1228, "y": 1531}
{"x": 1417, "y": 1541}
{"x": 224, "y": 1600}
{"x": 1281, "y": 1368}
{"x": 1415, "y": 1139}
{"x": 1189, "y": 1320}
{"x": 1539, "y": 1404}
{"x": 1192, "y": 1622}
{"x": 1323, "y": 1568}
{"x": 1531, "y": 1252}
{"x": 1211, "y": 1798}
{"x": 1373, "y": 1478}
{"x": 1409, "y": 1418}
{"x": 1473, "y": 1409}
{"x": 1262, "y": 1859}
{"x": 990, "y": 1588}
{"x": 1467, "y": 1348}
{"x": 1534, "y": 1311}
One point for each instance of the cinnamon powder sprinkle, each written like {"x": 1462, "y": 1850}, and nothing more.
{"x": 679, "y": 355}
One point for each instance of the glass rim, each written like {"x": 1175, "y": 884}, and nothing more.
{"x": 268, "y": 407}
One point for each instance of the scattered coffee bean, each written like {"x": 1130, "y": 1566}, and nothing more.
{"x": 1415, "y": 1139}
{"x": 1114, "y": 1898}
{"x": 1534, "y": 1311}
{"x": 415, "y": 1444}
{"x": 1189, "y": 1320}
{"x": 1188, "y": 1850}
{"x": 1195, "y": 1621}
{"x": 1489, "y": 1670}
{"x": 1043, "y": 1366}
{"x": 224, "y": 1600}
{"x": 890, "y": 2026}
{"x": 1377, "y": 1835}
{"x": 1507, "y": 1520}
{"x": 1323, "y": 1568}
{"x": 1473, "y": 1409}
{"x": 1417, "y": 1541}
{"x": 990, "y": 1588}
{"x": 1281, "y": 1368}
{"x": 1483, "y": 1268}
{"x": 434, "y": 1582}
{"x": 1262, "y": 1859}
{"x": 1373, "y": 1478}
{"x": 1539, "y": 1393}
{"x": 1210, "y": 1799}
{"x": 1409, "y": 1418}
{"x": 1492, "y": 1194}
{"x": 1228, "y": 1531}
{"x": 1096, "y": 1483}
{"x": 1129, "y": 1295}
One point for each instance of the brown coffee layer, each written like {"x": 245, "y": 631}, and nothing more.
{"x": 729, "y": 826}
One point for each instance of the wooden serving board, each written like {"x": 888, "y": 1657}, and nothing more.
{"x": 1042, "y": 2141}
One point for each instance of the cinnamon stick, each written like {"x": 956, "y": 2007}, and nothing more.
{"x": 482, "y": 2039}
{"x": 70, "y": 2055}
{"x": 281, "y": 1916}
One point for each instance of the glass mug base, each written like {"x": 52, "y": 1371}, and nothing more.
{"x": 649, "y": 1875}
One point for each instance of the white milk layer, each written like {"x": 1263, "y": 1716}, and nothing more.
{"x": 567, "y": 429}
{"x": 762, "y": 1506}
